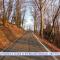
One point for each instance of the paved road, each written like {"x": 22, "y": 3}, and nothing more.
{"x": 26, "y": 44}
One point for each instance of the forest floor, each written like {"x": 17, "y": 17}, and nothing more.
{"x": 9, "y": 34}
{"x": 49, "y": 45}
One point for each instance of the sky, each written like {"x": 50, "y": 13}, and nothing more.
{"x": 29, "y": 19}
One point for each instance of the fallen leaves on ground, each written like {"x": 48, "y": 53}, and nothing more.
{"x": 9, "y": 34}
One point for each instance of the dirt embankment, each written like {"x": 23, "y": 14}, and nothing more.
{"x": 9, "y": 34}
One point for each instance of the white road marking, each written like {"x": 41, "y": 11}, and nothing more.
{"x": 38, "y": 39}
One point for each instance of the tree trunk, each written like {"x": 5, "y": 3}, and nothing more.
{"x": 42, "y": 18}
{"x": 10, "y": 7}
{"x": 4, "y": 20}
{"x": 35, "y": 24}
{"x": 18, "y": 13}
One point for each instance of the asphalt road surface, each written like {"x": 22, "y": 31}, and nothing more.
{"x": 27, "y": 43}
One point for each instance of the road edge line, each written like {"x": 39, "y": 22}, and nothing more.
{"x": 38, "y": 39}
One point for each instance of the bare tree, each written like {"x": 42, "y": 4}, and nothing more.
{"x": 34, "y": 14}
{"x": 18, "y": 13}
{"x": 54, "y": 18}
{"x": 4, "y": 20}
{"x": 39, "y": 4}
{"x": 35, "y": 22}
{"x": 23, "y": 13}
{"x": 10, "y": 5}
